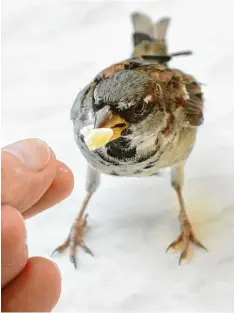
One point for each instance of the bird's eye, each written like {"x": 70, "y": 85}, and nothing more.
{"x": 139, "y": 108}
{"x": 137, "y": 112}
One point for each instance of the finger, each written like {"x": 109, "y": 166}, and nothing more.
{"x": 60, "y": 189}
{"x": 13, "y": 246}
{"x": 36, "y": 289}
{"x": 28, "y": 169}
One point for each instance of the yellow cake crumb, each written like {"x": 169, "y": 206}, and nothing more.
{"x": 96, "y": 138}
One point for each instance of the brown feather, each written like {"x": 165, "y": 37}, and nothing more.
{"x": 170, "y": 88}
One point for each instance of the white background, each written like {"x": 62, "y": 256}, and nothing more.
{"x": 51, "y": 49}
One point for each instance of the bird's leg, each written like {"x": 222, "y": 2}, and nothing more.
{"x": 77, "y": 232}
{"x": 187, "y": 235}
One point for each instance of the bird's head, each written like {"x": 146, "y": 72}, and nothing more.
{"x": 127, "y": 111}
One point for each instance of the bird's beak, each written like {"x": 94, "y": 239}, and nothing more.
{"x": 104, "y": 118}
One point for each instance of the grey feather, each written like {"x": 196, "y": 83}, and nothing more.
{"x": 142, "y": 23}
{"x": 160, "y": 28}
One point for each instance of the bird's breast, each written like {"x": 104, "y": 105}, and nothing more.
{"x": 121, "y": 159}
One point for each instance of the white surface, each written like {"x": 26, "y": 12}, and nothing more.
{"x": 51, "y": 49}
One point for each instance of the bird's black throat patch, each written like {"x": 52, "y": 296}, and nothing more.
{"x": 121, "y": 149}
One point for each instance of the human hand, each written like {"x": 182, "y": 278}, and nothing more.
{"x": 32, "y": 181}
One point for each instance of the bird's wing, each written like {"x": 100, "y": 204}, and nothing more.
{"x": 194, "y": 103}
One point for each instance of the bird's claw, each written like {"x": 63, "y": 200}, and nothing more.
{"x": 87, "y": 250}
{"x": 186, "y": 237}
{"x": 75, "y": 239}
{"x": 54, "y": 252}
{"x": 73, "y": 260}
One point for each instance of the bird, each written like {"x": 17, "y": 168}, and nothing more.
{"x": 149, "y": 115}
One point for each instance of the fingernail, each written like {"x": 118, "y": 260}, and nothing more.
{"x": 34, "y": 153}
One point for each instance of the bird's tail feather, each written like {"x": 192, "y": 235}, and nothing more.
{"x": 160, "y": 28}
{"x": 149, "y": 37}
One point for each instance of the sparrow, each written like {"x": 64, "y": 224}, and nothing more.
{"x": 135, "y": 118}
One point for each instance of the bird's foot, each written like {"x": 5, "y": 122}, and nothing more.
{"x": 185, "y": 238}
{"x": 75, "y": 239}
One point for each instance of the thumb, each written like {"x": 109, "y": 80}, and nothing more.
{"x": 28, "y": 169}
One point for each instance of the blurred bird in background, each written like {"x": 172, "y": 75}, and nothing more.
{"x": 135, "y": 118}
